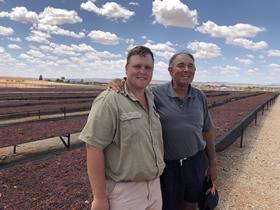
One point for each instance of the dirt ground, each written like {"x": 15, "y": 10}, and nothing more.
{"x": 249, "y": 177}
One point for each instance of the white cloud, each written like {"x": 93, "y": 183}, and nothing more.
{"x": 105, "y": 38}
{"x": 274, "y": 71}
{"x": 38, "y": 36}
{"x": 5, "y": 57}
{"x": 253, "y": 71}
{"x": 273, "y": 53}
{"x": 14, "y": 46}
{"x": 21, "y": 14}
{"x": 174, "y": 13}
{"x": 164, "y": 50}
{"x": 248, "y": 44}
{"x": 251, "y": 56}
{"x": 112, "y": 10}
{"x": 56, "y": 16}
{"x": 144, "y": 37}
{"x": 35, "y": 53}
{"x": 274, "y": 66}
{"x": 134, "y": 3}
{"x": 53, "y": 29}
{"x": 204, "y": 50}
{"x": 228, "y": 70}
{"x": 1, "y": 0}
{"x": 161, "y": 71}
{"x": 15, "y": 39}
{"x": 129, "y": 41}
{"x": 229, "y": 32}
{"x": 243, "y": 61}
{"x": 6, "y": 31}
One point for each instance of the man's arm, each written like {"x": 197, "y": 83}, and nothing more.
{"x": 209, "y": 137}
{"x": 96, "y": 174}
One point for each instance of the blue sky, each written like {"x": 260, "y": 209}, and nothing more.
{"x": 232, "y": 41}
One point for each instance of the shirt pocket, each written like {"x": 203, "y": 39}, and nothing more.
{"x": 130, "y": 123}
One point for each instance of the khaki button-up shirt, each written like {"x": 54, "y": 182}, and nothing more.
{"x": 130, "y": 137}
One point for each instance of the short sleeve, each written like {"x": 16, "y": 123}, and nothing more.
{"x": 101, "y": 124}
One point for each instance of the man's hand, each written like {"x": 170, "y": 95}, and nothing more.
{"x": 100, "y": 204}
{"x": 213, "y": 172}
{"x": 116, "y": 85}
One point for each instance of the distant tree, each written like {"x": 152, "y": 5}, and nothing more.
{"x": 40, "y": 77}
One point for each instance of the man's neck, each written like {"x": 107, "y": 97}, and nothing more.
{"x": 139, "y": 94}
{"x": 181, "y": 91}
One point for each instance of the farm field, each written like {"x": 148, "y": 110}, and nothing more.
{"x": 60, "y": 181}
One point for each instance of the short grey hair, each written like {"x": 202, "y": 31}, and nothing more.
{"x": 171, "y": 60}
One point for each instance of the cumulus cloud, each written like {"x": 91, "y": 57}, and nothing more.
{"x": 53, "y": 29}
{"x": 14, "y": 46}
{"x": 56, "y": 16}
{"x": 274, "y": 70}
{"x": 235, "y": 35}
{"x": 253, "y": 71}
{"x": 21, "y": 14}
{"x": 248, "y": 44}
{"x": 244, "y": 61}
{"x": 5, "y": 57}
{"x": 228, "y": 70}
{"x": 129, "y": 41}
{"x": 38, "y": 36}
{"x": 6, "y": 31}
{"x": 111, "y": 10}
{"x": 164, "y": 50}
{"x": 251, "y": 56}
{"x": 274, "y": 66}
{"x": 105, "y": 38}
{"x": 204, "y": 50}
{"x": 273, "y": 53}
{"x": 235, "y": 31}
{"x": 134, "y": 3}
{"x": 174, "y": 13}
{"x": 15, "y": 39}
{"x": 47, "y": 20}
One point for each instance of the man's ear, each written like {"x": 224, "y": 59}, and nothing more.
{"x": 126, "y": 68}
{"x": 170, "y": 70}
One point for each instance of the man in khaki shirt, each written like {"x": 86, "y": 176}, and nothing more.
{"x": 124, "y": 142}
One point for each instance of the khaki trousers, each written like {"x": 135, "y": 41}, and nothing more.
{"x": 134, "y": 195}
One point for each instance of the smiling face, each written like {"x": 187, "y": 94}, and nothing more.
{"x": 182, "y": 70}
{"x": 139, "y": 71}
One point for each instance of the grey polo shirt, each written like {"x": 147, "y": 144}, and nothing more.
{"x": 130, "y": 137}
{"x": 183, "y": 122}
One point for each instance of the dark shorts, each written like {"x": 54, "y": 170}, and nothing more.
{"x": 183, "y": 182}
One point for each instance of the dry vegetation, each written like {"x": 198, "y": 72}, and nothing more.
{"x": 20, "y": 82}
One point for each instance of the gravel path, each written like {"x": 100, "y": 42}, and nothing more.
{"x": 249, "y": 177}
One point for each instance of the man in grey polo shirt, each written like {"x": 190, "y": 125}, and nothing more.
{"x": 188, "y": 134}
{"x": 124, "y": 142}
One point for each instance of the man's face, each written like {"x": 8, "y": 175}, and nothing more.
{"x": 182, "y": 70}
{"x": 139, "y": 71}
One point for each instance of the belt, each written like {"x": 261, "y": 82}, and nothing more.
{"x": 176, "y": 161}
{"x": 183, "y": 159}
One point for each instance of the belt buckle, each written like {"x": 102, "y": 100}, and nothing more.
{"x": 181, "y": 161}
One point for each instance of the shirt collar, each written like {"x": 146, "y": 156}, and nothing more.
{"x": 130, "y": 95}
{"x": 171, "y": 93}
